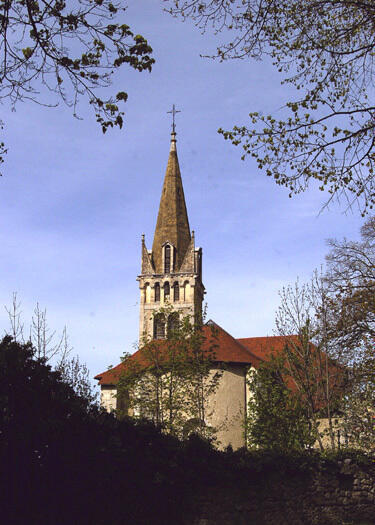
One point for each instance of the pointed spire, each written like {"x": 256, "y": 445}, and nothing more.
{"x": 172, "y": 224}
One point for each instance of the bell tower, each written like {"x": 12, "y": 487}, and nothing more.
{"x": 171, "y": 273}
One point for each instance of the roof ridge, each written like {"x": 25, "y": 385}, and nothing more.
{"x": 266, "y": 337}
{"x": 210, "y": 322}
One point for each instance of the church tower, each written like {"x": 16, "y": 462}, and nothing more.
{"x": 171, "y": 273}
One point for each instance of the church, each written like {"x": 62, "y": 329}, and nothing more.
{"x": 171, "y": 274}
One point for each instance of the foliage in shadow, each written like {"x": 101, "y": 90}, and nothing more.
{"x": 65, "y": 461}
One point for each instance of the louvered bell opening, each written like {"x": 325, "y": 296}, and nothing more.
{"x": 167, "y": 259}
{"x": 167, "y": 291}
{"x": 157, "y": 293}
{"x": 159, "y": 327}
{"x": 172, "y": 323}
{"x": 176, "y": 292}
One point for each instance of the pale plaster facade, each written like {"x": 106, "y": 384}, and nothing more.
{"x": 226, "y": 408}
{"x": 108, "y": 397}
{"x": 224, "y": 411}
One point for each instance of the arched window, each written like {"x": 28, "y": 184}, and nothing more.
{"x": 176, "y": 292}
{"x": 159, "y": 326}
{"x": 157, "y": 292}
{"x": 167, "y": 291}
{"x": 172, "y": 322}
{"x": 167, "y": 259}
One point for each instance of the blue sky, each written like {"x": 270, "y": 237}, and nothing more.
{"x": 75, "y": 202}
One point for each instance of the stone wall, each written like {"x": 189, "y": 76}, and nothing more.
{"x": 341, "y": 493}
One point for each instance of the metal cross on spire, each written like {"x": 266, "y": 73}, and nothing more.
{"x": 174, "y": 111}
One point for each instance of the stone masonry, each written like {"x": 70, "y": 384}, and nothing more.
{"x": 171, "y": 273}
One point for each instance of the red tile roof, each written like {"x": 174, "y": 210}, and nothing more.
{"x": 229, "y": 349}
{"x": 111, "y": 376}
{"x": 264, "y": 347}
{"x": 226, "y": 349}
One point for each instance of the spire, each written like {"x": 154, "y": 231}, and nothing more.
{"x": 172, "y": 224}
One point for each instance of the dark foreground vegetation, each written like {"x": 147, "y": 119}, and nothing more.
{"x": 64, "y": 461}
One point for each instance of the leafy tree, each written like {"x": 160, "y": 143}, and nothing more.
{"x": 36, "y": 406}
{"x": 276, "y": 420}
{"x": 50, "y": 349}
{"x": 63, "y": 459}
{"x": 324, "y": 51}
{"x": 170, "y": 381}
{"x": 315, "y": 364}
{"x": 77, "y": 375}
{"x": 351, "y": 281}
{"x": 359, "y": 403}
{"x": 330, "y": 357}
{"x": 350, "y": 278}
{"x": 68, "y": 50}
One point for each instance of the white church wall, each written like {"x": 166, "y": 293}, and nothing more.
{"x": 226, "y": 409}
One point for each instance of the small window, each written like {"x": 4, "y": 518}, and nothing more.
{"x": 167, "y": 259}
{"x": 159, "y": 326}
{"x": 176, "y": 292}
{"x": 167, "y": 291}
{"x": 157, "y": 293}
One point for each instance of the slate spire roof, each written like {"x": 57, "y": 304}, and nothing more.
{"x": 172, "y": 224}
